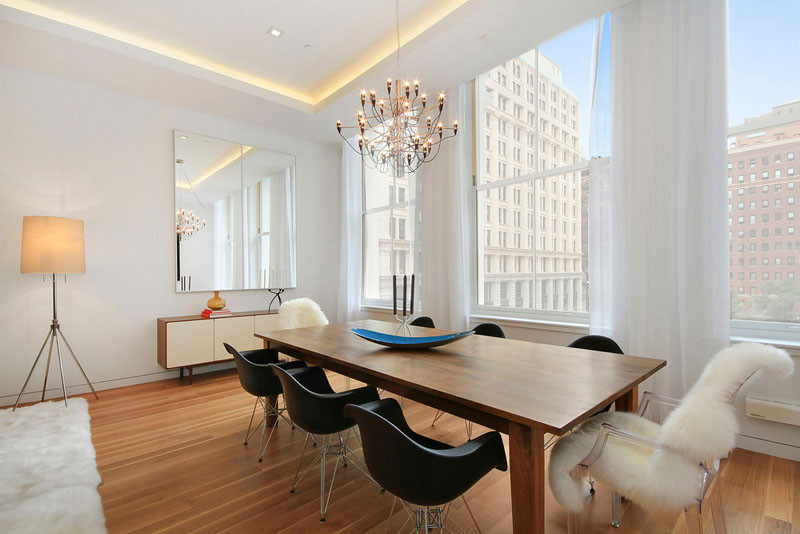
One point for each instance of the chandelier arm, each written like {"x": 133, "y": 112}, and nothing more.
{"x": 346, "y": 140}
{"x": 438, "y": 148}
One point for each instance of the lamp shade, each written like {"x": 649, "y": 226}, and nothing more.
{"x": 52, "y": 245}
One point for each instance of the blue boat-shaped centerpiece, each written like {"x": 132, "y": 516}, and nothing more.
{"x": 409, "y": 342}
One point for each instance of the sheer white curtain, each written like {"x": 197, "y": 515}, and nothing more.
{"x": 659, "y": 235}
{"x": 350, "y": 236}
{"x": 281, "y": 242}
{"x": 222, "y": 258}
{"x": 444, "y": 233}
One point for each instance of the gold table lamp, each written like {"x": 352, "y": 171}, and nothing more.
{"x": 53, "y": 245}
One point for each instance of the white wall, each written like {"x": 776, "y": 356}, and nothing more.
{"x": 81, "y": 151}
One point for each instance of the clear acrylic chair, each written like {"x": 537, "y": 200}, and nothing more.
{"x": 671, "y": 465}
{"x": 707, "y": 472}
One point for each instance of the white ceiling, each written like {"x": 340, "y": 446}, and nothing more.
{"x": 215, "y": 55}
{"x": 217, "y": 168}
{"x": 324, "y": 44}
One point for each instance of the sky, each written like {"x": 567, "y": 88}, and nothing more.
{"x": 764, "y": 59}
{"x": 572, "y": 51}
{"x": 764, "y": 56}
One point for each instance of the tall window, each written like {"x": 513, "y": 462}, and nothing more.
{"x": 763, "y": 135}
{"x": 553, "y": 177}
{"x": 389, "y": 230}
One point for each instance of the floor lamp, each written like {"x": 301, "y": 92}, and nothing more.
{"x": 53, "y": 245}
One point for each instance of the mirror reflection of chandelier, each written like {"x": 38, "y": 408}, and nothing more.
{"x": 187, "y": 223}
{"x": 400, "y": 131}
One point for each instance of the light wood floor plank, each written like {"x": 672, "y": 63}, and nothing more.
{"x": 172, "y": 459}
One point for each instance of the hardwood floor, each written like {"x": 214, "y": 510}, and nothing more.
{"x": 172, "y": 460}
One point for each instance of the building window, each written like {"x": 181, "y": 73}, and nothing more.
{"x": 761, "y": 142}
{"x": 527, "y": 278}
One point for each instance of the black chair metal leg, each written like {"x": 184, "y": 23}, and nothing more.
{"x": 266, "y": 415}
{"x": 391, "y": 513}
{"x": 431, "y": 518}
{"x": 250, "y": 424}
{"x": 263, "y": 430}
{"x": 297, "y": 481}
{"x": 438, "y": 415}
{"x": 470, "y": 514}
{"x": 323, "y": 503}
{"x": 329, "y": 447}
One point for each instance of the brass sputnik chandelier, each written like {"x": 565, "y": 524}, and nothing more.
{"x": 400, "y": 131}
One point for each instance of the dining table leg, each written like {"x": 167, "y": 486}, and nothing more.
{"x": 629, "y": 401}
{"x": 526, "y": 448}
{"x": 272, "y": 402}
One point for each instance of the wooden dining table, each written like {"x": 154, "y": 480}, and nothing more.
{"x": 519, "y": 388}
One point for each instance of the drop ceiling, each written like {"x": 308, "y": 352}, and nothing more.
{"x": 323, "y": 44}
{"x": 217, "y": 56}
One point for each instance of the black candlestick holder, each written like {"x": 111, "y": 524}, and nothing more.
{"x": 277, "y": 292}
{"x": 403, "y": 315}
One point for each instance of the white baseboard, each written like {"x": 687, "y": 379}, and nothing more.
{"x": 56, "y": 392}
{"x": 771, "y": 448}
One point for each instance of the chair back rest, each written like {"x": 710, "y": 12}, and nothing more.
{"x": 306, "y": 402}
{"x": 704, "y": 426}
{"x": 389, "y": 454}
{"x": 598, "y": 343}
{"x": 489, "y": 329}
{"x": 423, "y": 321}
{"x": 253, "y": 378}
{"x": 417, "y": 469}
{"x": 299, "y": 313}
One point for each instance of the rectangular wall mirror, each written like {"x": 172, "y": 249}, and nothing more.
{"x": 234, "y": 215}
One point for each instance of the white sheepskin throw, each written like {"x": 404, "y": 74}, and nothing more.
{"x": 299, "y": 313}
{"x": 49, "y": 474}
{"x": 703, "y": 427}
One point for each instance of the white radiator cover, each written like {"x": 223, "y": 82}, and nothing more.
{"x": 771, "y": 410}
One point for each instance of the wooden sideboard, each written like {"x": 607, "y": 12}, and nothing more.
{"x": 190, "y": 340}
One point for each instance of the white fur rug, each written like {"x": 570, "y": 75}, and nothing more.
{"x": 48, "y": 473}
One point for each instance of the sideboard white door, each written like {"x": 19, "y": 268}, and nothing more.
{"x": 189, "y": 343}
{"x": 235, "y": 331}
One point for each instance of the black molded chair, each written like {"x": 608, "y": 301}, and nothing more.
{"x": 420, "y": 470}
{"x": 489, "y": 329}
{"x": 257, "y": 378}
{"x": 600, "y": 344}
{"x": 423, "y": 321}
{"x": 483, "y": 329}
{"x": 316, "y": 408}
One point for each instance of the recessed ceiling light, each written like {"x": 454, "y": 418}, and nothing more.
{"x": 182, "y": 137}
{"x": 275, "y": 32}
